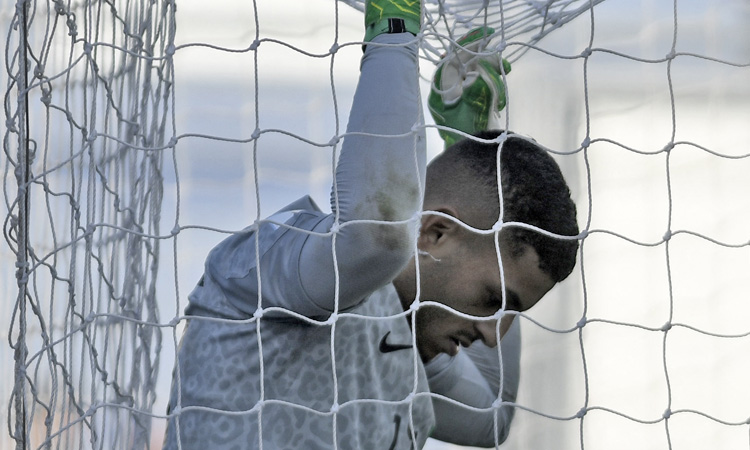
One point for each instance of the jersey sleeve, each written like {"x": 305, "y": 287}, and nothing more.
{"x": 312, "y": 263}
{"x": 472, "y": 378}
{"x": 379, "y": 177}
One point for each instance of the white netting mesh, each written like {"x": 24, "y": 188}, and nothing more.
{"x": 518, "y": 24}
{"x": 107, "y": 102}
{"x": 88, "y": 95}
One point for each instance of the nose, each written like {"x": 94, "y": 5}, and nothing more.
{"x": 487, "y": 329}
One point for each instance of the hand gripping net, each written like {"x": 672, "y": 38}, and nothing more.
{"x": 518, "y": 23}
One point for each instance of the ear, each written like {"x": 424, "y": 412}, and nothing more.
{"x": 436, "y": 228}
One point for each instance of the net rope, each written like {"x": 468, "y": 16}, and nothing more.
{"x": 85, "y": 144}
{"x": 91, "y": 133}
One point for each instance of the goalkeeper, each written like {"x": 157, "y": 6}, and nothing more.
{"x": 302, "y": 327}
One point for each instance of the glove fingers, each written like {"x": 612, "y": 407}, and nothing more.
{"x": 466, "y": 49}
{"x": 468, "y": 88}
{"x": 473, "y": 38}
{"x": 492, "y": 76}
{"x": 478, "y": 98}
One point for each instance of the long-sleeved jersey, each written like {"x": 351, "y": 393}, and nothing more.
{"x": 297, "y": 338}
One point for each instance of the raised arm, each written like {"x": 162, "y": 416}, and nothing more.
{"x": 379, "y": 176}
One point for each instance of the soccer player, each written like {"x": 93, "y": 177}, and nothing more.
{"x": 302, "y": 329}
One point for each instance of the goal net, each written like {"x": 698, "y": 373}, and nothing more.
{"x": 139, "y": 134}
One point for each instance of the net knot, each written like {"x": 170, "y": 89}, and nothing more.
{"x": 254, "y": 45}
{"x": 175, "y": 231}
{"x": 334, "y": 140}
{"x": 90, "y": 412}
{"x": 582, "y": 323}
{"x": 22, "y": 273}
{"x": 586, "y": 53}
{"x": 258, "y": 313}
{"x": 334, "y": 48}
{"x": 256, "y": 134}
{"x": 581, "y": 413}
{"x": 87, "y": 47}
{"x": 586, "y": 142}
{"x": 666, "y": 327}
{"x": 169, "y": 51}
{"x": 501, "y": 138}
{"x": 335, "y": 228}
{"x": 59, "y": 7}
{"x": 72, "y": 27}
{"x": 667, "y": 236}
{"x": 46, "y": 98}
{"x": 331, "y": 319}
{"x": 414, "y": 306}
{"x": 172, "y": 142}
{"x": 174, "y": 322}
{"x": 335, "y": 408}
{"x": 667, "y": 413}
{"x": 89, "y": 319}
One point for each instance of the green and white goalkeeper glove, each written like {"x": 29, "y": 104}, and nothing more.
{"x": 392, "y": 16}
{"x": 467, "y": 89}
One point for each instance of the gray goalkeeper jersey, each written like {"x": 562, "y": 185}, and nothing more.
{"x": 297, "y": 338}
{"x": 381, "y": 389}
{"x": 372, "y": 393}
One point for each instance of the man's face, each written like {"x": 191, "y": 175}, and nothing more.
{"x": 463, "y": 273}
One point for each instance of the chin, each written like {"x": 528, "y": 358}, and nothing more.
{"x": 427, "y": 353}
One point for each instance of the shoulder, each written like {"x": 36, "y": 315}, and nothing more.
{"x": 230, "y": 267}
{"x": 236, "y": 254}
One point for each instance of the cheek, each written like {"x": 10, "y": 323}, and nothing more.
{"x": 434, "y": 321}
{"x": 459, "y": 283}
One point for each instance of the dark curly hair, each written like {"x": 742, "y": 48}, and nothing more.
{"x": 534, "y": 193}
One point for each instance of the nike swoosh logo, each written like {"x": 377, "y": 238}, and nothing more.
{"x": 385, "y": 347}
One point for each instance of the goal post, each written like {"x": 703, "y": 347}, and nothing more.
{"x": 88, "y": 115}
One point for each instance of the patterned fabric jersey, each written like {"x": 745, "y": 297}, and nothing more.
{"x": 287, "y": 378}
{"x": 222, "y": 368}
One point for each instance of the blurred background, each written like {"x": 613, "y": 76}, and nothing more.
{"x": 645, "y": 345}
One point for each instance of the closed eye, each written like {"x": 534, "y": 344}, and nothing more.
{"x": 512, "y": 301}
